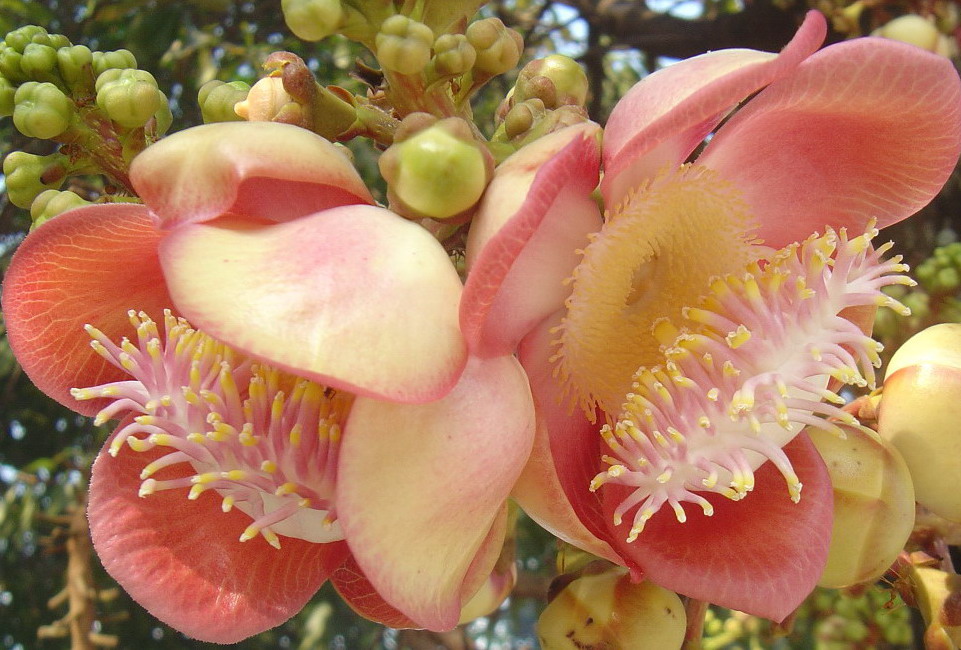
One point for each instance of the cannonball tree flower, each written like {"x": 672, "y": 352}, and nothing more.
{"x": 677, "y": 345}
{"x": 296, "y": 399}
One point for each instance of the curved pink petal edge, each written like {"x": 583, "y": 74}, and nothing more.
{"x": 762, "y": 555}
{"x": 260, "y": 170}
{"x": 420, "y": 486}
{"x": 357, "y": 591}
{"x": 662, "y": 119}
{"x": 89, "y": 265}
{"x": 518, "y": 267}
{"x": 574, "y": 446}
{"x": 868, "y": 128}
{"x": 183, "y": 561}
{"x": 354, "y": 297}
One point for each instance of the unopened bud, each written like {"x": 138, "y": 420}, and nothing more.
{"x": 7, "y": 93}
{"x": 51, "y": 203}
{"x": 129, "y": 97}
{"x": 75, "y": 64}
{"x": 10, "y": 65}
{"x": 41, "y": 110}
{"x": 116, "y": 60}
{"x": 607, "y": 610}
{"x": 266, "y": 99}
{"x": 439, "y": 172}
{"x": 218, "y": 100}
{"x": 312, "y": 20}
{"x": 873, "y": 505}
{"x": 19, "y": 38}
{"x": 39, "y": 62}
{"x": 498, "y": 47}
{"x": 453, "y": 55}
{"x": 27, "y": 175}
{"x": 556, "y": 80}
{"x": 404, "y": 45}
{"x": 919, "y": 414}
{"x": 911, "y": 29}
{"x": 495, "y": 589}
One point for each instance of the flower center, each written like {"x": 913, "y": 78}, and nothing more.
{"x": 647, "y": 262}
{"x": 746, "y": 371}
{"x": 265, "y": 441}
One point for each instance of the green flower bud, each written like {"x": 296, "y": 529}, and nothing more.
{"x": 498, "y": 47}
{"x": 312, "y": 20}
{"x": 607, "y": 610}
{"x": 562, "y": 75}
{"x": 164, "y": 116}
{"x": 218, "y": 99}
{"x": 59, "y": 40}
{"x": 41, "y": 110}
{"x": 947, "y": 280}
{"x": 7, "y": 92}
{"x": 453, "y": 55}
{"x": 439, "y": 172}
{"x": 911, "y": 29}
{"x": 19, "y": 38}
{"x": 75, "y": 64}
{"x": 27, "y": 175}
{"x": 51, "y": 203}
{"x": 118, "y": 59}
{"x": 10, "y": 65}
{"x": 128, "y": 97}
{"x": 403, "y": 44}
{"x": 39, "y": 62}
{"x": 873, "y": 505}
{"x": 919, "y": 414}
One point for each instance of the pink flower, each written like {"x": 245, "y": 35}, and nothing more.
{"x": 670, "y": 353}
{"x": 323, "y": 420}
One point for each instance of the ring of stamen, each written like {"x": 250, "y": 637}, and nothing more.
{"x": 265, "y": 441}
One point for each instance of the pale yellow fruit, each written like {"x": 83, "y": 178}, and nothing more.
{"x": 920, "y": 414}
{"x": 607, "y": 610}
{"x": 873, "y": 505}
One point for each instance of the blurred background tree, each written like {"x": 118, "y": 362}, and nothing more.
{"x": 46, "y": 451}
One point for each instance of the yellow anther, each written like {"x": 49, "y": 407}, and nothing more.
{"x": 738, "y": 337}
{"x": 713, "y": 394}
{"x": 665, "y": 476}
{"x": 148, "y": 470}
{"x": 675, "y": 435}
{"x": 195, "y": 492}
{"x": 161, "y": 439}
{"x": 249, "y": 533}
{"x": 664, "y": 331}
{"x": 268, "y": 466}
{"x": 205, "y": 478}
{"x": 295, "y": 434}
{"x": 147, "y": 488}
{"x": 285, "y": 489}
{"x": 729, "y": 370}
{"x": 679, "y": 512}
{"x": 197, "y": 438}
{"x": 228, "y": 503}
{"x": 304, "y": 503}
{"x": 704, "y": 422}
{"x": 138, "y": 445}
{"x": 234, "y": 475}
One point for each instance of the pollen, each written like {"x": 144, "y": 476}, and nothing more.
{"x": 650, "y": 258}
{"x": 733, "y": 422}
{"x": 225, "y": 425}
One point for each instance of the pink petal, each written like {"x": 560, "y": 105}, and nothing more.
{"x": 666, "y": 115}
{"x": 762, "y": 555}
{"x": 354, "y": 587}
{"x": 539, "y": 492}
{"x": 262, "y": 170}
{"x": 575, "y": 446}
{"x": 89, "y": 265}
{"x": 866, "y": 128}
{"x": 420, "y": 486}
{"x": 183, "y": 561}
{"x": 535, "y": 214}
{"x": 353, "y": 297}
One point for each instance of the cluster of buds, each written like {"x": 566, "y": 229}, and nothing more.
{"x": 933, "y": 28}
{"x": 97, "y": 103}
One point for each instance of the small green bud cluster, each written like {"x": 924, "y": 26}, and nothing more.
{"x": 218, "y": 98}
{"x": 27, "y": 175}
{"x": 941, "y": 273}
{"x": 51, "y": 203}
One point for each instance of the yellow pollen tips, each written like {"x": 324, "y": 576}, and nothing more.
{"x": 268, "y": 466}
{"x": 195, "y": 492}
{"x": 738, "y": 337}
{"x": 227, "y": 504}
{"x": 286, "y": 488}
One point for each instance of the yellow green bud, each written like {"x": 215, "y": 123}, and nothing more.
{"x": 27, "y": 175}
{"x": 118, "y": 59}
{"x": 919, "y": 414}
{"x": 453, "y": 55}
{"x": 218, "y": 99}
{"x": 938, "y": 596}
{"x": 19, "y": 38}
{"x": 911, "y": 29}
{"x": 58, "y": 40}
{"x": 312, "y": 20}
{"x": 404, "y": 45}
{"x": 51, "y": 203}
{"x": 873, "y": 505}
{"x": 438, "y": 172}
{"x": 266, "y": 99}
{"x": 10, "y": 65}
{"x": 75, "y": 64}
{"x": 555, "y": 79}
{"x": 7, "y": 92}
{"x": 39, "y": 62}
{"x": 41, "y": 110}
{"x": 498, "y": 47}
{"x": 128, "y": 97}
{"x": 607, "y": 610}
